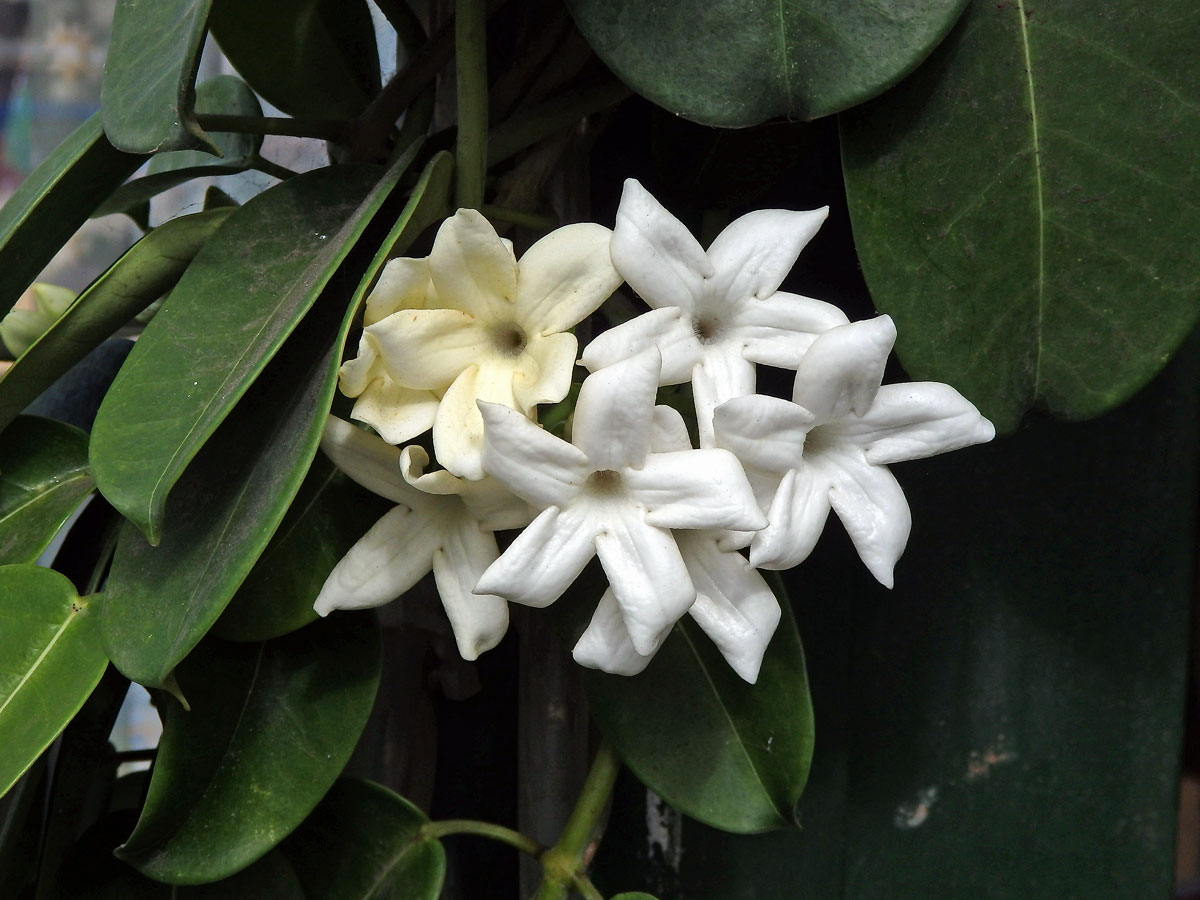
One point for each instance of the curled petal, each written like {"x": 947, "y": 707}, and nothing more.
{"x": 765, "y": 433}
{"x": 655, "y": 253}
{"x": 355, "y": 374}
{"x": 722, "y": 375}
{"x": 403, "y": 284}
{"x": 778, "y": 330}
{"x": 472, "y": 269}
{"x": 564, "y": 278}
{"x": 841, "y": 371}
{"x": 428, "y": 348}
{"x": 458, "y": 427}
{"x": 368, "y": 460}
{"x": 534, "y": 464}
{"x": 871, "y": 505}
{"x": 479, "y": 620}
{"x": 614, "y": 412}
{"x": 797, "y": 516}
{"x": 668, "y": 330}
{"x": 695, "y": 489}
{"x": 755, "y": 252}
{"x": 487, "y": 501}
{"x": 668, "y": 431}
{"x": 543, "y": 560}
{"x": 399, "y": 414}
{"x": 546, "y": 375}
{"x": 606, "y": 645}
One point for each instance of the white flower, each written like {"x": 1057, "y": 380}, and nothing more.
{"x": 734, "y": 606}
{"x": 609, "y": 495}
{"x": 715, "y": 314}
{"x": 831, "y": 446}
{"x": 441, "y": 523}
{"x": 470, "y": 323}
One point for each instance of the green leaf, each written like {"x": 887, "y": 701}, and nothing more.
{"x": 320, "y": 61}
{"x": 364, "y": 842}
{"x": 44, "y": 477}
{"x": 735, "y": 63}
{"x": 730, "y": 754}
{"x": 225, "y": 95}
{"x": 149, "y": 75}
{"x": 329, "y": 514}
{"x": 53, "y": 201}
{"x": 1024, "y": 206}
{"x": 240, "y": 298}
{"x": 146, "y": 272}
{"x": 270, "y": 727}
{"x": 633, "y": 895}
{"x": 50, "y": 660}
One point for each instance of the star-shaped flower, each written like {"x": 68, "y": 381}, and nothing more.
{"x": 608, "y": 494}
{"x": 830, "y": 447}
{"x": 441, "y": 523}
{"x": 715, "y": 314}
{"x": 472, "y": 323}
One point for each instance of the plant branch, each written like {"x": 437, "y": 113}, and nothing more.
{"x": 538, "y": 122}
{"x": 470, "y": 42}
{"x": 499, "y": 833}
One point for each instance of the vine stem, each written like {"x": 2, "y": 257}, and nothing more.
{"x": 470, "y": 41}
{"x": 499, "y": 833}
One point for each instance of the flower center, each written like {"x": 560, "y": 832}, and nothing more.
{"x": 604, "y": 483}
{"x": 509, "y": 339}
{"x": 706, "y": 328}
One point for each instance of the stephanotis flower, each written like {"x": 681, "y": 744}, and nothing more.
{"x": 472, "y": 323}
{"x": 441, "y": 523}
{"x": 608, "y": 494}
{"x": 713, "y": 314}
{"x": 829, "y": 448}
{"x": 734, "y": 605}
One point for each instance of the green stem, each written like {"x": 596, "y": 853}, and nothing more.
{"x": 267, "y": 167}
{"x": 499, "y": 833}
{"x": 532, "y": 125}
{"x": 585, "y": 887}
{"x": 470, "y": 42}
{"x": 564, "y": 864}
{"x": 521, "y": 218}
{"x": 322, "y": 129}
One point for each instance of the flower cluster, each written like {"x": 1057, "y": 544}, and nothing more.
{"x": 469, "y": 342}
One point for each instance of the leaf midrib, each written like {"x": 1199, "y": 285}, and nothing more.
{"x": 71, "y": 617}
{"x": 1039, "y": 191}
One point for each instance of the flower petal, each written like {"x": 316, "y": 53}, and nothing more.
{"x": 695, "y": 489}
{"x": 479, "y": 620}
{"x": 399, "y": 414}
{"x": 655, "y": 253}
{"x": 840, "y": 373}
{"x": 669, "y": 330}
{"x": 614, "y": 412}
{"x": 472, "y": 269}
{"x": 605, "y": 644}
{"x": 915, "y": 420}
{"x": 765, "y": 433}
{"x": 534, "y": 464}
{"x": 488, "y": 501}
{"x": 543, "y": 560}
{"x": 871, "y": 505}
{"x": 668, "y": 431}
{"x": 797, "y": 516}
{"x": 755, "y": 252}
{"x": 779, "y": 329}
{"x": 388, "y": 560}
{"x": 545, "y": 372}
{"x": 458, "y": 427}
{"x": 722, "y": 374}
{"x": 356, "y": 373}
{"x": 428, "y": 348}
{"x": 734, "y": 605}
{"x": 564, "y": 278}
{"x": 369, "y": 460}
{"x": 403, "y": 284}
{"x": 647, "y": 576}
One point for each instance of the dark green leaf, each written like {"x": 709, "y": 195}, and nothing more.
{"x": 142, "y": 275}
{"x": 239, "y": 299}
{"x": 364, "y": 842}
{"x": 730, "y": 754}
{"x": 1024, "y": 206}
{"x": 43, "y": 478}
{"x": 50, "y": 660}
{"x": 22, "y": 811}
{"x": 320, "y": 61}
{"x": 328, "y": 515}
{"x": 633, "y": 895}
{"x": 53, "y": 201}
{"x": 736, "y": 63}
{"x": 270, "y": 727}
{"x": 149, "y": 75}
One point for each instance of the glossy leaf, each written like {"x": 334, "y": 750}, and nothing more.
{"x": 270, "y": 727}
{"x": 147, "y": 94}
{"x": 44, "y": 477}
{"x": 330, "y": 513}
{"x": 53, "y": 201}
{"x": 736, "y": 63}
{"x": 147, "y": 271}
{"x": 239, "y": 299}
{"x": 226, "y": 95}
{"x": 364, "y": 842}
{"x": 50, "y": 660}
{"x": 320, "y": 61}
{"x": 1024, "y": 205}
{"x": 732, "y": 755}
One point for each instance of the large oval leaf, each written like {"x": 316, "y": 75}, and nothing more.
{"x": 733, "y": 755}
{"x": 321, "y": 59}
{"x": 149, "y": 75}
{"x": 364, "y": 842}
{"x": 740, "y": 62}
{"x": 239, "y": 299}
{"x": 44, "y": 476}
{"x": 53, "y": 201}
{"x": 133, "y": 282}
{"x": 50, "y": 660}
{"x": 1025, "y": 208}
{"x": 270, "y": 727}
